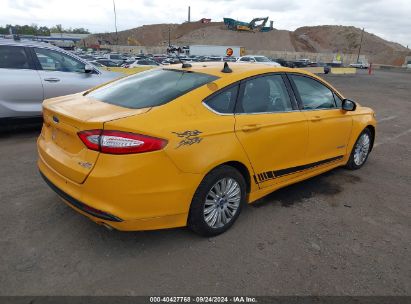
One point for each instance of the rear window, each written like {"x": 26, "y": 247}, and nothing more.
{"x": 150, "y": 88}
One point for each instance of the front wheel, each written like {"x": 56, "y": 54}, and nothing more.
{"x": 360, "y": 151}
{"x": 217, "y": 202}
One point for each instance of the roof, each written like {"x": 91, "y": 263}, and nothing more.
{"x": 31, "y": 43}
{"x": 239, "y": 69}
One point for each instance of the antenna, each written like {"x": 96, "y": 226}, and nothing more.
{"x": 226, "y": 68}
{"x": 184, "y": 65}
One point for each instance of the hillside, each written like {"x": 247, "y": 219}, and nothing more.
{"x": 321, "y": 39}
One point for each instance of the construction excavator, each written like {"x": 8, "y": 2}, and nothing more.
{"x": 257, "y": 24}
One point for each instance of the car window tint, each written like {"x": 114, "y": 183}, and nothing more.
{"x": 151, "y": 88}
{"x": 13, "y": 57}
{"x": 224, "y": 101}
{"x": 265, "y": 94}
{"x": 314, "y": 95}
{"x": 56, "y": 61}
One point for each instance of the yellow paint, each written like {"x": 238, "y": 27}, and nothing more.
{"x": 154, "y": 190}
{"x": 314, "y": 70}
{"x": 343, "y": 70}
{"x": 127, "y": 71}
{"x": 243, "y": 28}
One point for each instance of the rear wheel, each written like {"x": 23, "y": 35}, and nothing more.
{"x": 360, "y": 151}
{"x": 217, "y": 202}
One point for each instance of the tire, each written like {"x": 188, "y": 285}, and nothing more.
{"x": 360, "y": 150}
{"x": 209, "y": 205}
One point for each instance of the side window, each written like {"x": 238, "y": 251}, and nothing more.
{"x": 55, "y": 61}
{"x": 265, "y": 94}
{"x": 223, "y": 102}
{"x": 13, "y": 57}
{"x": 314, "y": 95}
{"x": 245, "y": 59}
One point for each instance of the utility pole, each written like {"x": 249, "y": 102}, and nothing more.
{"x": 189, "y": 14}
{"x": 169, "y": 36}
{"x": 359, "y": 50}
{"x": 115, "y": 20}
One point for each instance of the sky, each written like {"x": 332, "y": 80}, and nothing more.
{"x": 389, "y": 19}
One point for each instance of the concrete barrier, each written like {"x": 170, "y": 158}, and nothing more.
{"x": 343, "y": 70}
{"x": 314, "y": 70}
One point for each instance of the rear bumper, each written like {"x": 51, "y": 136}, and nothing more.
{"x": 134, "y": 195}
{"x": 81, "y": 206}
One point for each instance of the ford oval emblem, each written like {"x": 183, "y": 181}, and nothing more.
{"x": 56, "y": 119}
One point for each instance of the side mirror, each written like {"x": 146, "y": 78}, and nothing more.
{"x": 88, "y": 69}
{"x": 348, "y": 105}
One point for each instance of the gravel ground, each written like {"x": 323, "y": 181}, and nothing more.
{"x": 341, "y": 233}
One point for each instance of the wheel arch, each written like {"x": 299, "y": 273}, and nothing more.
{"x": 372, "y": 130}
{"x": 241, "y": 168}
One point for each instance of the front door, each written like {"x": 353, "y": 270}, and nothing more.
{"x": 329, "y": 126}
{"x": 272, "y": 131}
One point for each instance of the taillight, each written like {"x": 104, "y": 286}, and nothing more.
{"x": 117, "y": 142}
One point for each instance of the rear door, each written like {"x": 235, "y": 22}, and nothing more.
{"x": 62, "y": 74}
{"x": 21, "y": 91}
{"x": 329, "y": 126}
{"x": 271, "y": 129}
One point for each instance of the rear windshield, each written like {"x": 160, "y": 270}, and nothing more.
{"x": 150, "y": 88}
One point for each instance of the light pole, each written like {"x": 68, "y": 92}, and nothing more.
{"x": 359, "y": 50}
{"x": 115, "y": 21}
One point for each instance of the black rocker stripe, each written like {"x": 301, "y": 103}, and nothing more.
{"x": 261, "y": 177}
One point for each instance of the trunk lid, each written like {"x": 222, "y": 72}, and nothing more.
{"x": 59, "y": 145}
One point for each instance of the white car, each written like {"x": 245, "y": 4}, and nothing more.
{"x": 143, "y": 62}
{"x": 258, "y": 59}
{"x": 360, "y": 65}
{"x": 32, "y": 71}
{"x": 115, "y": 57}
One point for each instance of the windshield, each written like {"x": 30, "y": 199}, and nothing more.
{"x": 151, "y": 88}
{"x": 262, "y": 59}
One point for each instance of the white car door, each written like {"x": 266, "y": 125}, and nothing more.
{"x": 62, "y": 74}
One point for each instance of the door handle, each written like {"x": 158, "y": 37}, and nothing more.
{"x": 315, "y": 118}
{"x": 52, "y": 79}
{"x": 247, "y": 128}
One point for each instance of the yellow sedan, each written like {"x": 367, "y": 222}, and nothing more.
{"x": 191, "y": 145}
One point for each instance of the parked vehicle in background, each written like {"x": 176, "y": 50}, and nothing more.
{"x": 335, "y": 64}
{"x": 96, "y": 64}
{"x": 230, "y": 59}
{"x": 360, "y": 65}
{"x": 115, "y": 57}
{"x": 169, "y": 61}
{"x": 32, "y": 71}
{"x": 301, "y": 63}
{"x": 107, "y": 63}
{"x": 142, "y": 62}
{"x": 283, "y": 62}
{"x": 257, "y": 59}
{"x": 409, "y": 64}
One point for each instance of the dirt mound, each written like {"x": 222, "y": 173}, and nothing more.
{"x": 346, "y": 39}
{"x": 316, "y": 39}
